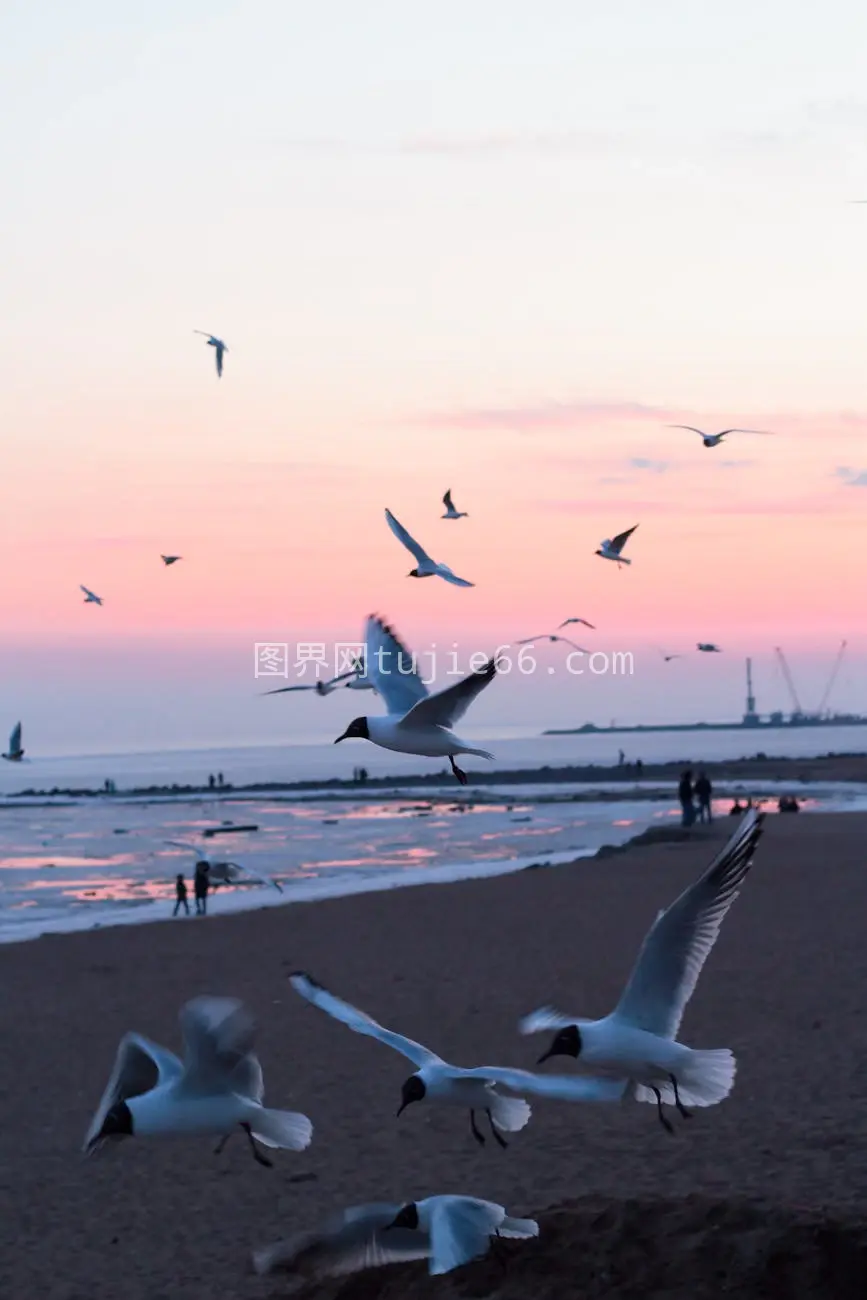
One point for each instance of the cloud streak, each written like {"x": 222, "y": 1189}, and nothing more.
{"x": 851, "y": 477}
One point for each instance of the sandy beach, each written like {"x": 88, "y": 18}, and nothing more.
{"x": 763, "y": 1194}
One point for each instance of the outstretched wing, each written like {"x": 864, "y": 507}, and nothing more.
{"x": 358, "y": 1238}
{"x": 557, "y": 1087}
{"x": 567, "y": 621}
{"x": 691, "y": 427}
{"x": 359, "y": 1021}
{"x": 461, "y": 1228}
{"x": 15, "y": 739}
{"x": 390, "y": 668}
{"x": 139, "y": 1066}
{"x": 447, "y": 707}
{"x": 677, "y": 944}
{"x": 418, "y": 552}
{"x": 537, "y": 1022}
{"x": 618, "y": 542}
{"x": 447, "y": 500}
{"x": 283, "y": 690}
{"x": 445, "y": 572}
{"x": 218, "y": 1034}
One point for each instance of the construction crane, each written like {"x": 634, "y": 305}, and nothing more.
{"x": 832, "y": 679}
{"x": 798, "y": 711}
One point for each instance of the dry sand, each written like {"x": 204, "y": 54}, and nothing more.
{"x": 456, "y": 965}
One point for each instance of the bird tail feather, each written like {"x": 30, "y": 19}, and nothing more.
{"x": 479, "y": 753}
{"x": 704, "y": 1079}
{"x": 509, "y": 1113}
{"x": 518, "y": 1227}
{"x": 281, "y": 1128}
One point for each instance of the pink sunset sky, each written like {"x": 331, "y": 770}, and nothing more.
{"x": 497, "y": 251}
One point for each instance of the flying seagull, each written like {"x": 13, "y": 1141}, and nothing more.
{"x": 639, "y": 1037}
{"x": 714, "y": 439}
{"x": 170, "y": 559}
{"x": 90, "y": 598}
{"x": 708, "y": 648}
{"x": 217, "y": 1086}
{"x": 550, "y": 636}
{"x": 668, "y": 658}
{"x": 449, "y": 1085}
{"x": 611, "y": 548}
{"x": 225, "y": 873}
{"x": 321, "y": 688}
{"x": 446, "y": 1230}
{"x": 416, "y": 723}
{"x": 583, "y": 621}
{"x": 451, "y": 513}
{"x": 16, "y": 753}
{"x": 426, "y": 567}
{"x": 219, "y": 345}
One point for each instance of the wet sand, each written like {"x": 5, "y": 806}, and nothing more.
{"x": 456, "y": 965}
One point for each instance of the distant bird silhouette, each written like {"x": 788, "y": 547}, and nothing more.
{"x": 714, "y": 439}
{"x": 219, "y": 345}
{"x": 90, "y": 597}
{"x": 612, "y": 547}
{"x": 170, "y": 559}
{"x": 567, "y": 621}
{"x": 668, "y": 658}
{"x": 551, "y": 636}
{"x": 451, "y": 513}
{"x": 708, "y": 648}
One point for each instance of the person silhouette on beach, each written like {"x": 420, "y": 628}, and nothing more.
{"x": 684, "y": 794}
{"x": 201, "y": 884}
{"x": 704, "y": 793}
{"x": 181, "y": 895}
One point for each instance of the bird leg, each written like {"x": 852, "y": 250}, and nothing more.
{"x": 663, "y": 1121}
{"x": 497, "y": 1249}
{"x": 462, "y": 776}
{"x": 480, "y": 1137}
{"x": 495, "y": 1131}
{"x": 687, "y": 1114}
{"x": 218, "y": 1149}
{"x": 257, "y": 1154}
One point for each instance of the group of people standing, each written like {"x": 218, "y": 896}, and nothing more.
{"x": 201, "y": 885}
{"x": 695, "y": 798}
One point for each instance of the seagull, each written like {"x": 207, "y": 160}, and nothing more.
{"x": 668, "y": 658}
{"x": 451, "y": 513}
{"x": 226, "y": 873}
{"x": 219, "y": 345}
{"x": 708, "y": 648}
{"x": 416, "y": 723}
{"x": 449, "y": 1085}
{"x": 639, "y": 1037}
{"x": 426, "y": 567}
{"x": 583, "y": 621}
{"x": 89, "y": 597}
{"x": 170, "y": 559}
{"x": 550, "y": 636}
{"x": 321, "y": 688}
{"x": 217, "y": 1086}
{"x": 714, "y": 439}
{"x": 16, "y": 753}
{"x": 446, "y": 1230}
{"x": 611, "y": 548}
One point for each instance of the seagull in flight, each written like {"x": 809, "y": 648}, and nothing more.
{"x": 668, "y": 658}
{"x": 445, "y": 1230}
{"x": 582, "y": 621}
{"x": 170, "y": 559}
{"x": 90, "y": 598}
{"x": 218, "y": 345}
{"x": 449, "y": 1085}
{"x": 639, "y": 1038}
{"x": 426, "y": 567}
{"x": 451, "y": 513}
{"x": 611, "y": 548}
{"x": 225, "y": 873}
{"x": 551, "y": 636}
{"x": 217, "y": 1087}
{"x": 15, "y": 752}
{"x": 416, "y": 722}
{"x": 708, "y": 648}
{"x": 714, "y": 439}
{"x": 321, "y": 688}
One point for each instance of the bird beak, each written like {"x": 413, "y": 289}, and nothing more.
{"x": 401, "y": 1108}
{"x": 544, "y": 1057}
{"x": 343, "y": 737}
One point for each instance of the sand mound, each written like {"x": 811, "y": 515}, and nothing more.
{"x": 692, "y": 1249}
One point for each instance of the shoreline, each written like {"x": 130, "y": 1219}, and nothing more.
{"x": 457, "y": 965}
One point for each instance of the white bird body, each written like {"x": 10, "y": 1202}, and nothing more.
{"x": 416, "y": 722}
{"x": 442, "y": 1084}
{"x": 446, "y": 1230}
{"x": 425, "y": 566}
{"x": 639, "y": 1038}
{"x": 218, "y": 1086}
{"x": 451, "y": 513}
{"x": 612, "y": 547}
